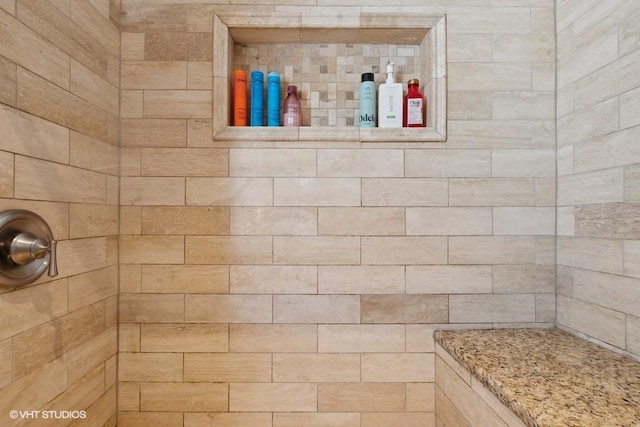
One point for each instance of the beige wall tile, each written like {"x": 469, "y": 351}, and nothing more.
{"x": 632, "y": 183}
{"x": 631, "y": 257}
{"x": 524, "y": 221}
{"x": 185, "y": 220}
{"x": 93, "y": 154}
{"x": 446, "y": 412}
{"x": 523, "y": 163}
{"x": 536, "y": 47}
{"x": 448, "y": 163}
{"x": 153, "y": 133}
{"x": 361, "y": 279}
{"x": 33, "y": 136}
{"x": 92, "y": 220}
{"x": 19, "y": 313}
{"x": 55, "y": 214}
{"x": 449, "y": 221}
{"x": 594, "y": 254}
{"x": 449, "y": 279}
{"x": 183, "y": 397}
{"x": 83, "y": 359}
{"x": 273, "y": 338}
{"x": 489, "y": 76}
{"x": 230, "y": 191}
{"x": 585, "y": 60}
{"x": 178, "y": 46}
{"x": 129, "y": 337}
{"x": 42, "y": 98}
{"x": 469, "y": 47}
{"x": 200, "y": 75}
{"x": 361, "y": 221}
{"x": 274, "y": 221}
{"x": 152, "y": 308}
{"x": 154, "y": 74}
{"x": 141, "y": 419}
{"x": 629, "y": 109}
{"x": 495, "y": 20}
{"x": 404, "y": 250}
{"x": 361, "y": 338}
{"x": 316, "y": 367}
{"x": 230, "y": 368}
{"x": 40, "y": 180}
{"x": 398, "y": 367}
{"x": 607, "y": 152}
{"x": 86, "y": 289}
{"x": 468, "y": 105}
{"x": 199, "y": 133}
{"x": 180, "y": 337}
{"x": 420, "y": 338}
{"x": 131, "y": 104}
{"x": 255, "y": 279}
{"x": 184, "y": 279}
{"x": 492, "y": 308}
{"x": 491, "y": 250}
{"x": 6, "y": 372}
{"x": 272, "y": 163}
{"x": 6, "y": 174}
{"x": 228, "y": 419}
{"x": 42, "y": 344}
{"x": 81, "y": 255}
{"x": 360, "y": 163}
{"x": 405, "y": 192}
{"x": 587, "y": 124}
{"x": 404, "y": 308}
{"x": 316, "y": 309}
{"x": 489, "y": 134}
{"x": 361, "y": 397}
{"x": 316, "y": 419}
{"x": 181, "y": 104}
{"x": 316, "y": 250}
{"x": 184, "y": 162}
{"x": 525, "y": 278}
{"x": 416, "y": 419}
{"x": 150, "y": 366}
{"x": 34, "y": 390}
{"x": 274, "y": 397}
{"x": 317, "y": 192}
{"x": 611, "y": 220}
{"x": 491, "y": 192}
{"x": 228, "y": 250}
{"x": 94, "y": 88}
{"x": 152, "y": 191}
{"x": 600, "y": 323}
{"x": 421, "y": 396}
{"x": 132, "y": 46}
{"x": 30, "y": 50}
{"x": 152, "y": 249}
{"x": 228, "y": 308}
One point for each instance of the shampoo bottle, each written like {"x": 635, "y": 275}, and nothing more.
{"x": 273, "y": 99}
{"x": 414, "y": 106}
{"x": 367, "y": 101}
{"x": 390, "y": 101}
{"x": 257, "y": 86}
{"x": 292, "y": 107}
{"x": 240, "y": 98}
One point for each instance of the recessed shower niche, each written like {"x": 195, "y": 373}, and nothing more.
{"x": 324, "y": 56}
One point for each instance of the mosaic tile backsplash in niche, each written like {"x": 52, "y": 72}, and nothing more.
{"x": 328, "y": 75}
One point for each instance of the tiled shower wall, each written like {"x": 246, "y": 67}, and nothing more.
{"x": 599, "y": 171}
{"x": 298, "y": 284}
{"x": 59, "y": 90}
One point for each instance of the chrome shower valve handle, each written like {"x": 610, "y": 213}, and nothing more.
{"x": 27, "y": 248}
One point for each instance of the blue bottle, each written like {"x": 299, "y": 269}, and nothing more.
{"x": 257, "y": 85}
{"x": 273, "y": 99}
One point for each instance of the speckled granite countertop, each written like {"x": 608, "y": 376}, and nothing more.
{"x": 549, "y": 377}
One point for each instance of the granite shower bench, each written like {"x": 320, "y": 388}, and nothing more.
{"x": 534, "y": 378}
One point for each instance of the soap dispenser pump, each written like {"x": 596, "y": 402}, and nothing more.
{"x": 390, "y": 101}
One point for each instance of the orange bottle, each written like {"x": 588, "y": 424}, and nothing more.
{"x": 239, "y": 98}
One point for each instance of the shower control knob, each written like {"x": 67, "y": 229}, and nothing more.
{"x": 27, "y": 248}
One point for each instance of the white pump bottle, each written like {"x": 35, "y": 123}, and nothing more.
{"x": 390, "y": 101}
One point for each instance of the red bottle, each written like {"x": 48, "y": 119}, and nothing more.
{"x": 415, "y": 106}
